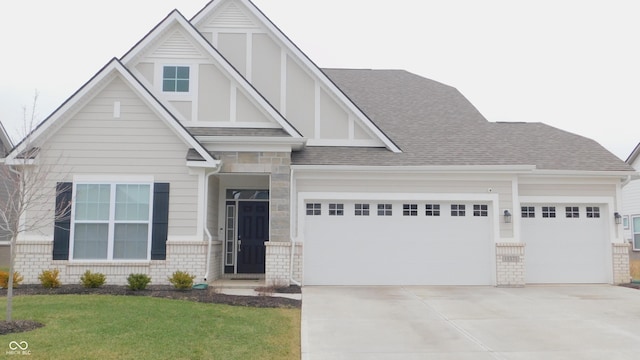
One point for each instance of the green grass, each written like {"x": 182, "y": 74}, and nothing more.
{"x": 137, "y": 327}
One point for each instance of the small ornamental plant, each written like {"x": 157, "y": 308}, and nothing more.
{"x": 50, "y": 278}
{"x": 138, "y": 281}
{"x": 4, "y": 279}
{"x": 92, "y": 280}
{"x": 182, "y": 280}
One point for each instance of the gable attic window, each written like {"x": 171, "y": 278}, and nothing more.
{"x": 175, "y": 79}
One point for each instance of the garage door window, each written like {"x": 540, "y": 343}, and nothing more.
{"x": 362, "y": 210}
{"x": 457, "y": 210}
{"x": 548, "y": 211}
{"x": 636, "y": 233}
{"x": 593, "y": 212}
{"x": 480, "y": 210}
{"x": 432, "y": 209}
{"x": 528, "y": 212}
{"x": 410, "y": 210}
{"x": 336, "y": 209}
{"x": 385, "y": 210}
{"x": 314, "y": 209}
{"x": 572, "y": 212}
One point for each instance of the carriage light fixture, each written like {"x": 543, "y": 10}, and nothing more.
{"x": 507, "y": 217}
{"x": 618, "y": 218}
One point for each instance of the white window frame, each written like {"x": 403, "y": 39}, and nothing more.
{"x": 314, "y": 209}
{"x": 432, "y": 209}
{"x": 548, "y": 212}
{"x": 361, "y": 209}
{"x": 111, "y": 222}
{"x": 410, "y": 209}
{"x": 336, "y": 209}
{"x": 634, "y": 232}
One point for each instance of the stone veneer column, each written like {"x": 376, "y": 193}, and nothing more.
{"x": 510, "y": 264}
{"x": 621, "y": 272}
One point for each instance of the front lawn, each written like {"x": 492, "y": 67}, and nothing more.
{"x": 140, "y": 327}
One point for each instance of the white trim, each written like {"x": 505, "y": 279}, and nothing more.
{"x": 495, "y": 169}
{"x": 343, "y": 142}
{"x": 229, "y": 124}
{"x": 233, "y": 104}
{"x": 116, "y": 109}
{"x": 317, "y": 116}
{"x": 283, "y": 82}
{"x": 112, "y": 178}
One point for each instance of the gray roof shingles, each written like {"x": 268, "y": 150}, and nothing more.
{"x": 434, "y": 124}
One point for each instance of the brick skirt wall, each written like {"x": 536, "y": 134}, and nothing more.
{"x": 278, "y": 263}
{"x": 510, "y": 267}
{"x": 34, "y": 256}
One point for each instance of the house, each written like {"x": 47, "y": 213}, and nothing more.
{"x": 216, "y": 146}
{"x": 631, "y": 206}
{"x": 5, "y": 188}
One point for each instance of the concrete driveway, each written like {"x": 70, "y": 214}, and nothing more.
{"x": 536, "y": 322}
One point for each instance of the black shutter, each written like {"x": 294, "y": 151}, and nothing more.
{"x": 62, "y": 221}
{"x": 160, "y": 221}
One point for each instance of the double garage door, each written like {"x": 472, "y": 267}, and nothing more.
{"x": 398, "y": 243}
{"x": 566, "y": 243}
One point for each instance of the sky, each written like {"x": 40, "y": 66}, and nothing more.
{"x": 572, "y": 64}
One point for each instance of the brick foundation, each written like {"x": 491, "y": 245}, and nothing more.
{"x": 621, "y": 270}
{"x": 33, "y": 257}
{"x": 278, "y": 263}
{"x": 510, "y": 269}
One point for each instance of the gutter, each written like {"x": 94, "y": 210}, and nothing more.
{"x": 291, "y": 237}
{"x": 206, "y": 229}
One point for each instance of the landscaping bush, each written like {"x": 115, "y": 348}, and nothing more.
{"x": 4, "y": 279}
{"x": 50, "y": 278}
{"x": 182, "y": 280}
{"x": 92, "y": 280}
{"x": 138, "y": 281}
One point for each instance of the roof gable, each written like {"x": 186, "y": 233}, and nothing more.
{"x": 175, "y": 39}
{"x": 633, "y": 157}
{"x": 81, "y": 97}
{"x": 5, "y": 141}
{"x": 302, "y": 85}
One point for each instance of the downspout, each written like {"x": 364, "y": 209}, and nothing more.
{"x": 291, "y": 237}
{"x": 206, "y": 215}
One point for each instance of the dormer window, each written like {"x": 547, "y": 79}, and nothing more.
{"x": 175, "y": 79}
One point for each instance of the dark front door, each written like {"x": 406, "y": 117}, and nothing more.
{"x": 253, "y": 231}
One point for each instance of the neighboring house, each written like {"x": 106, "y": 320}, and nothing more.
{"x": 631, "y": 206}
{"x": 217, "y": 147}
{"x": 5, "y": 188}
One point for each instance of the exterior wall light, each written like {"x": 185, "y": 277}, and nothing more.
{"x": 618, "y": 218}
{"x": 507, "y": 217}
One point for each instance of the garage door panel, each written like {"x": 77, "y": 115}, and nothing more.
{"x": 566, "y": 250}
{"x": 397, "y": 250}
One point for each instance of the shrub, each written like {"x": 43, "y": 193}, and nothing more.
{"x": 182, "y": 280}
{"x": 50, "y": 278}
{"x": 4, "y": 279}
{"x": 92, "y": 280}
{"x": 138, "y": 281}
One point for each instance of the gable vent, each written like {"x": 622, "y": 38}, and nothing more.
{"x": 232, "y": 16}
{"x": 177, "y": 45}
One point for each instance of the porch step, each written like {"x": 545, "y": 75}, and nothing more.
{"x": 237, "y": 283}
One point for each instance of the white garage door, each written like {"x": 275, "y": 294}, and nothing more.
{"x": 398, "y": 243}
{"x": 566, "y": 243}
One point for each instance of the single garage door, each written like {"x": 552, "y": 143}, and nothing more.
{"x": 566, "y": 243}
{"x": 398, "y": 243}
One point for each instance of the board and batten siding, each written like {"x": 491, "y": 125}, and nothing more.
{"x": 285, "y": 80}
{"x": 94, "y": 142}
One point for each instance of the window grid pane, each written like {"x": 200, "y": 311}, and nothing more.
{"x": 336, "y": 209}
{"x": 410, "y": 210}
{"x": 548, "y": 211}
{"x": 572, "y": 212}
{"x": 314, "y": 209}
{"x": 92, "y": 202}
{"x": 480, "y": 210}
{"x": 175, "y": 79}
{"x": 528, "y": 212}
{"x": 432, "y": 209}
{"x": 362, "y": 210}
{"x": 593, "y": 212}
{"x": 385, "y": 210}
{"x": 458, "y": 210}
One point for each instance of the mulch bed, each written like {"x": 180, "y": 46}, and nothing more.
{"x": 631, "y": 285}
{"x": 209, "y": 295}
